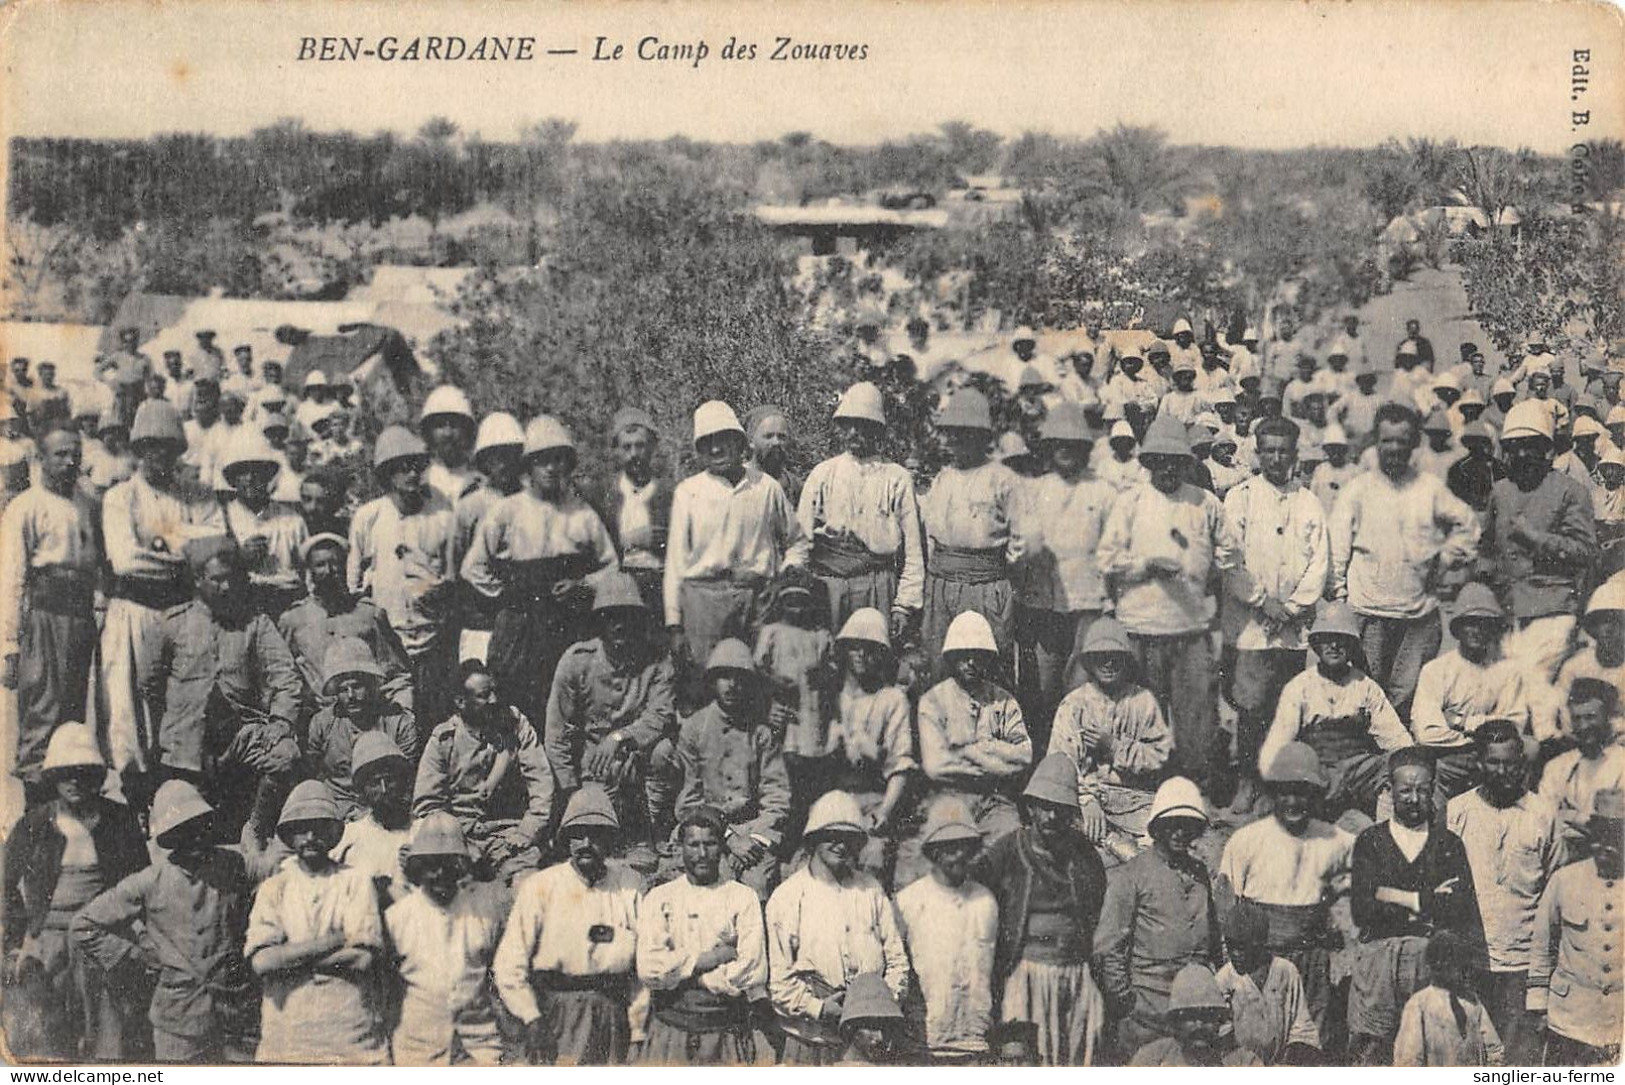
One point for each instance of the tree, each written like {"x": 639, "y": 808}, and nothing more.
{"x": 1134, "y": 167}
{"x": 970, "y": 149}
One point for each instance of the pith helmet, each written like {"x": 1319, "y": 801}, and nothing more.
{"x": 863, "y": 402}
{"x": 177, "y": 803}
{"x": 374, "y": 748}
{"x": 867, "y": 624}
{"x": 157, "y": 420}
{"x": 545, "y": 434}
{"x": 947, "y": 821}
{"x": 730, "y": 655}
{"x": 1166, "y": 436}
{"x": 616, "y": 590}
{"x": 835, "y": 811}
{"x": 1055, "y": 780}
{"x": 438, "y": 834}
{"x": 1527, "y": 419}
{"x": 1295, "y": 763}
{"x": 312, "y": 800}
{"x": 447, "y": 399}
{"x": 1477, "y": 601}
{"x": 1065, "y": 422}
{"x": 969, "y": 632}
{"x": 1178, "y": 798}
{"x": 397, "y": 443}
{"x": 966, "y": 409}
{"x": 869, "y": 999}
{"x": 590, "y": 808}
{"x": 346, "y": 656}
{"x": 72, "y": 746}
{"x": 1106, "y": 635}
{"x": 1335, "y": 620}
{"x": 498, "y": 430}
{"x": 715, "y": 417}
{"x": 1195, "y": 988}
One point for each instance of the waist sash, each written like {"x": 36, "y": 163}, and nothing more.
{"x": 963, "y": 565}
{"x": 61, "y": 589}
{"x": 843, "y": 556}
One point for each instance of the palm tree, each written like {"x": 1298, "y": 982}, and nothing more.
{"x": 1134, "y": 167}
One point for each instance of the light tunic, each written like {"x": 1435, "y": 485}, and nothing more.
{"x": 1571, "y": 781}
{"x": 1513, "y": 852}
{"x": 679, "y": 921}
{"x": 444, "y": 954}
{"x": 399, "y": 558}
{"x": 547, "y": 931}
{"x": 1577, "y": 959}
{"x": 1455, "y": 696}
{"x": 376, "y": 852}
{"x": 316, "y": 1017}
{"x": 979, "y": 509}
{"x": 1265, "y": 863}
{"x": 873, "y": 731}
{"x": 1114, "y": 741}
{"x": 1064, "y": 521}
{"x": 873, "y": 500}
{"x": 1282, "y": 553}
{"x": 1429, "y": 1036}
{"x": 524, "y": 527}
{"x": 1310, "y": 696}
{"x": 39, "y": 530}
{"x": 1391, "y": 541}
{"x": 1146, "y": 523}
{"x": 1267, "y": 1020}
{"x": 1119, "y": 474}
{"x": 718, "y": 530}
{"x": 962, "y": 736}
{"x": 951, "y": 934}
{"x": 283, "y": 529}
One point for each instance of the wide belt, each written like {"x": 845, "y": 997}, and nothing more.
{"x": 965, "y": 565}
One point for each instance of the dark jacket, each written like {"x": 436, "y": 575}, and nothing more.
{"x": 1006, "y": 868}
{"x": 1440, "y": 877}
{"x": 608, "y": 501}
{"x": 33, "y": 862}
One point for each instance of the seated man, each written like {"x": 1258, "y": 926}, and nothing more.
{"x": 224, "y": 686}
{"x": 352, "y": 684}
{"x": 486, "y": 766}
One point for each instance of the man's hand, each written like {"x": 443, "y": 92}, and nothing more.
{"x": 1162, "y": 566}
{"x": 10, "y": 671}
{"x": 830, "y": 1013}
{"x": 601, "y": 758}
{"x": 1093, "y": 823}
{"x": 344, "y": 959}
{"x": 715, "y": 956}
{"x": 746, "y": 848}
{"x": 1275, "y": 612}
{"x": 899, "y": 625}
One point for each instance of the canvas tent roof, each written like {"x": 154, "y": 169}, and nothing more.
{"x": 168, "y": 322}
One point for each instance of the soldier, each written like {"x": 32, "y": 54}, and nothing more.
{"x": 486, "y": 766}
{"x": 1576, "y": 961}
{"x": 269, "y": 533}
{"x": 566, "y": 966}
{"x": 448, "y": 429}
{"x": 532, "y": 554}
{"x": 702, "y": 951}
{"x": 612, "y": 707}
{"x": 126, "y": 371}
{"x": 49, "y": 555}
{"x": 863, "y": 518}
{"x": 350, "y": 686}
{"x": 224, "y": 687}
{"x": 637, "y": 507}
{"x": 733, "y": 761}
{"x": 499, "y": 455}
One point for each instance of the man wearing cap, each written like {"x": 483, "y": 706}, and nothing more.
{"x": 1245, "y": 358}
{"x": 374, "y": 841}
{"x": 269, "y": 533}
{"x": 270, "y": 396}
{"x": 828, "y": 923}
{"x": 499, "y": 461}
{"x": 1395, "y": 532}
{"x": 242, "y": 381}
{"x": 403, "y": 553}
{"x": 951, "y": 924}
{"x": 146, "y": 524}
{"x": 732, "y": 528}
{"x": 1274, "y": 578}
{"x": 863, "y": 519}
{"x": 566, "y": 966}
{"x": 1571, "y": 780}
{"x": 1330, "y": 477}
{"x": 223, "y": 686}
{"x": 1576, "y": 960}
{"x": 1292, "y": 866}
{"x": 1049, "y": 883}
{"x": 1183, "y": 402}
{"x": 443, "y": 936}
{"x": 1158, "y": 916}
{"x": 532, "y": 554}
{"x": 1514, "y": 844}
{"x": 732, "y": 761}
{"x": 1197, "y": 1011}
{"x": 192, "y": 905}
{"x": 350, "y": 686}
{"x": 637, "y": 504}
{"x": 205, "y": 431}
{"x": 1408, "y": 878}
{"x": 447, "y": 427}
{"x": 1162, "y": 542}
{"x": 1130, "y": 394}
{"x": 63, "y": 852}
{"x": 1540, "y": 543}
{"x": 1604, "y": 624}
{"x": 1357, "y": 410}
{"x": 1303, "y": 383}
{"x": 487, "y": 767}
{"x": 612, "y": 707}
{"x": 702, "y": 952}
{"x": 1472, "y": 477}
{"x": 768, "y": 430}
{"x": 1062, "y": 589}
{"x": 49, "y": 555}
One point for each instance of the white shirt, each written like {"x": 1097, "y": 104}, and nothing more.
{"x": 718, "y": 529}
{"x": 1265, "y": 863}
{"x": 875, "y": 501}
{"x": 445, "y": 955}
{"x": 951, "y": 934}
{"x": 1283, "y": 553}
{"x": 679, "y": 921}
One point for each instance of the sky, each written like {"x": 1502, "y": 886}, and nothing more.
{"x": 1250, "y": 73}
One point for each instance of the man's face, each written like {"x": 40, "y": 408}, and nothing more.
{"x": 245, "y": 360}
{"x": 771, "y": 442}
{"x": 859, "y": 437}
{"x": 310, "y": 841}
{"x": 1501, "y": 767}
{"x": 447, "y": 438}
{"x": 406, "y": 480}
{"x": 1184, "y": 339}
{"x": 1412, "y": 787}
{"x": 1294, "y": 805}
{"x": 1351, "y": 325}
{"x": 839, "y": 852}
{"x": 729, "y": 686}
{"x": 623, "y": 631}
{"x": 1540, "y": 383}
{"x": 550, "y": 472}
{"x": 205, "y": 401}
{"x": 1068, "y": 458}
{"x": 722, "y": 453}
{"x": 1337, "y": 455}
{"x": 441, "y": 876}
{"x": 1110, "y": 670}
{"x": 231, "y": 409}
{"x": 1277, "y": 455}
{"x": 589, "y": 850}
{"x": 1607, "y": 840}
{"x": 1052, "y": 823}
{"x": 158, "y": 459}
{"x": 966, "y": 446}
{"x": 1526, "y": 457}
{"x": 353, "y": 695}
{"x": 315, "y": 501}
{"x": 1131, "y": 365}
{"x": 278, "y": 438}
{"x": 1607, "y": 629}
{"x": 1395, "y": 443}
{"x": 60, "y": 456}
{"x": 253, "y": 484}
{"x": 386, "y": 791}
{"x": 47, "y": 375}
{"x": 1591, "y": 726}
{"x": 1246, "y": 957}
{"x": 1184, "y": 380}
{"x": 702, "y": 854}
{"x": 480, "y": 704}
{"x": 220, "y": 585}
{"x": 952, "y": 859}
{"x": 1477, "y": 637}
{"x": 272, "y": 371}
{"x": 1195, "y": 1028}
{"x": 1024, "y": 349}
{"x": 1336, "y": 654}
{"x": 1179, "y": 835}
{"x": 864, "y": 660}
{"x": 19, "y": 369}
{"x": 968, "y": 668}
{"x": 1413, "y": 328}
{"x": 77, "y": 787}
{"x": 1167, "y": 472}
{"x": 634, "y": 452}
{"x": 1478, "y": 362}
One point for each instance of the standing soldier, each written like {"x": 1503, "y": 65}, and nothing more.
{"x": 1395, "y": 533}
{"x": 1576, "y": 961}
{"x": 1160, "y": 548}
{"x": 973, "y": 529}
{"x": 532, "y": 553}
{"x": 637, "y": 506}
{"x": 403, "y": 549}
{"x": 732, "y": 528}
{"x": 860, "y": 512}
{"x": 702, "y": 952}
{"x": 827, "y": 924}
{"x": 486, "y": 766}
{"x": 269, "y": 533}
{"x": 126, "y": 371}
{"x": 499, "y": 454}
{"x": 566, "y": 966}
{"x": 49, "y": 543}
{"x": 611, "y": 707}
{"x": 447, "y": 428}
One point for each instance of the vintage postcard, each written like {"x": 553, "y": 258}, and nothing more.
{"x": 683, "y": 534}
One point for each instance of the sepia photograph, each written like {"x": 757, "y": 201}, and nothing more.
{"x": 1065, "y": 533}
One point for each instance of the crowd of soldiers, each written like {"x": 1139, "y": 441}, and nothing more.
{"x": 1284, "y": 729}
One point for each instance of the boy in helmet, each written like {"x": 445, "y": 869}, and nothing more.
{"x": 566, "y": 966}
